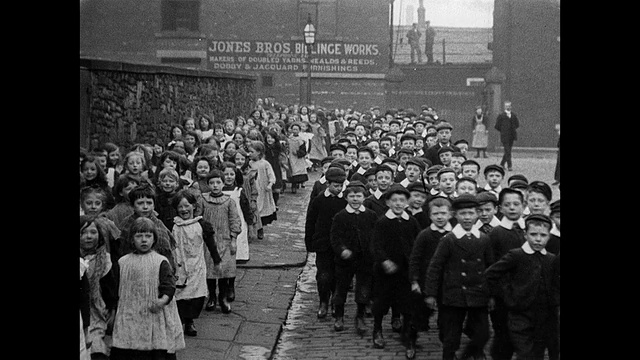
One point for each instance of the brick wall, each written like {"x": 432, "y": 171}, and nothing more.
{"x": 132, "y": 103}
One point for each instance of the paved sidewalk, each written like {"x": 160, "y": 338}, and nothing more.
{"x": 265, "y": 286}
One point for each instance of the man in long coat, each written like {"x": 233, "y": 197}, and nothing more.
{"x": 507, "y": 123}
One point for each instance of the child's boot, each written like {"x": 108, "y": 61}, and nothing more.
{"x": 225, "y": 306}
{"x": 211, "y": 286}
{"x": 231, "y": 290}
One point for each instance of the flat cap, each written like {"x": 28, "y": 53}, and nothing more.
{"x": 519, "y": 184}
{"x": 493, "y": 167}
{"x": 434, "y": 169}
{"x": 445, "y": 149}
{"x": 335, "y": 174}
{"x": 485, "y": 197}
{"x": 327, "y": 159}
{"x": 383, "y": 167}
{"x": 555, "y": 206}
{"x": 541, "y": 187}
{"x": 418, "y": 186}
{"x": 338, "y": 147}
{"x": 444, "y": 125}
{"x": 396, "y": 189}
{"x": 465, "y": 201}
{"x": 518, "y": 177}
{"x": 416, "y": 161}
{"x": 538, "y": 217}
{"x": 445, "y": 169}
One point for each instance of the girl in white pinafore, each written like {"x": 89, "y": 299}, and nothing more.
{"x": 231, "y": 188}
{"x": 146, "y": 325}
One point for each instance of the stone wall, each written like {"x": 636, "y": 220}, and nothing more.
{"x": 138, "y": 103}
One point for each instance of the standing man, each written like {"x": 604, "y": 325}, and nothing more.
{"x": 414, "y": 37}
{"x": 556, "y": 176}
{"x": 430, "y": 35}
{"x": 506, "y": 124}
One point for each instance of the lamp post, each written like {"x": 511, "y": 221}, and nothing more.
{"x": 309, "y": 40}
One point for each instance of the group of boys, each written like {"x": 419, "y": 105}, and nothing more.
{"x": 419, "y": 235}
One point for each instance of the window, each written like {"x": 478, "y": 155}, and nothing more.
{"x": 267, "y": 80}
{"x": 180, "y": 15}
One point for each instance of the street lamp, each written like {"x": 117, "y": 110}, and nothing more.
{"x": 309, "y": 40}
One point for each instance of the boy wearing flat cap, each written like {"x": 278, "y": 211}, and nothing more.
{"x": 365, "y": 162}
{"x": 417, "y": 199}
{"x": 446, "y": 182}
{"x": 414, "y": 168}
{"x": 524, "y": 278}
{"x": 371, "y": 184}
{"x": 553, "y": 246}
{"x": 432, "y": 179}
{"x": 487, "y": 209}
{"x": 470, "y": 168}
{"x": 493, "y": 174}
{"x": 445, "y": 154}
{"x": 502, "y": 238}
{"x": 455, "y": 273}
{"x": 337, "y": 151}
{"x": 538, "y": 198}
{"x": 321, "y": 184}
{"x": 350, "y": 236}
{"x": 317, "y": 228}
{"x": 392, "y": 242}
{"x": 443, "y": 130}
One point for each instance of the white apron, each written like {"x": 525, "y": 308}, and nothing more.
{"x": 242, "y": 241}
{"x": 192, "y": 269}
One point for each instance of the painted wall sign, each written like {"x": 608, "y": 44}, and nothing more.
{"x": 332, "y": 57}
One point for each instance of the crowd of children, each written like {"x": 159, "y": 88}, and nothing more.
{"x": 398, "y": 209}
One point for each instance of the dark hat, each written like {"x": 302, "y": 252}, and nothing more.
{"x": 367, "y": 149}
{"x": 434, "y": 169}
{"x": 390, "y": 160}
{"x": 444, "y": 125}
{"x": 404, "y": 151}
{"x": 355, "y": 184}
{"x": 485, "y": 197}
{"x": 465, "y": 201}
{"x": 337, "y": 147}
{"x": 341, "y": 162}
{"x": 461, "y": 141}
{"x": 426, "y": 162}
{"x": 335, "y": 174}
{"x": 395, "y": 121}
{"x": 541, "y": 187}
{"x": 348, "y": 133}
{"x": 416, "y": 161}
{"x": 538, "y": 217}
{"x": 555, "y": 207}
{"x": 429, "y": 119}
{"x": 518, "y": 177}
{"x": 420, "y": 121}
{"x": 445, "y": 149}
{"x": 383, "y": 167}
{"x": 445, "y": 169}
{"x": 407, "y": 136}
{"x": 370, "y": 171}
{"x": 327, "y": 159}
{"x": 493, "y": 167}
{"x": 458, "y": 154}
{"x": 466, "y": 178}
{"x": 417, "y": 186}
{"x": 519, "y": 184}
{"x": 429, "y": 126}
{"x": 396, "y": 189}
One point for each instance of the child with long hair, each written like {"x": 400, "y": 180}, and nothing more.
{"x": 103, "y": 286}
{"x": 220, "y": 210}
{"x": 123, "y": 208}
{"x": 94, "y": 176}
{"x": 135, "y": 164}
{"x": 192, "y": 233}
{"x": 298, "y": 150}
{"x": 233, "y": 181}
{"x": 147, "y": 323}
{"x": 205, "y": 130}
{"x": 249, "y": 185}
{"x": 274, "y": 154}
{"x": 265, "y": 179}
{"x": 92, "y": 201}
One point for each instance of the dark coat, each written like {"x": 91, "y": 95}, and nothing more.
{"x": 507, "y": 127}
{"x": 423, "y": 249}
{"x": 502, "y": 240}
{"x": 379, "y": 206}
{"x": 353, "y": 232}
{"x": 519, "y": 278}
{"x": 457, "y": 268}
{"x": 319, "y": 220}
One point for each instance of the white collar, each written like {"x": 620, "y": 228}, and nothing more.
{"x": 434, "y": 191}
{"x": 400, "y": 168}
{"x": 405, "y": 182}
{"x": 371, "y": 191}
{"x": 493, "y": 223}
{"x": 351, "y": 210}
{"x": 420, "y": 152}
{"x": 459, "y": 232}
{"x": 392, "y": 151}
{"x": 496, "y": 190}
{"x": 377, "y": 194}
{"x": 508, "y": 224}
{"x": 327, "y": 193}
{"x": 389, "y": 214}
{"x": 354, "y": 163}
{"x": 526, "y": 211}
{"x": 527, "y": 249}
{"x": 414, "y": 212}
{"x": 361, "y": 170}
{"x": 446, "y": 228}
{"x": 555, "y": 231}
{"x": 322, "y": 179}
{"x": 378, "y": 160}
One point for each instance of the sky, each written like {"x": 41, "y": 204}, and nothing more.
{"x": 449, "y": 13}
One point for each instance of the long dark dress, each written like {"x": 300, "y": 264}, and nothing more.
{"x": 272, "y": 155}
